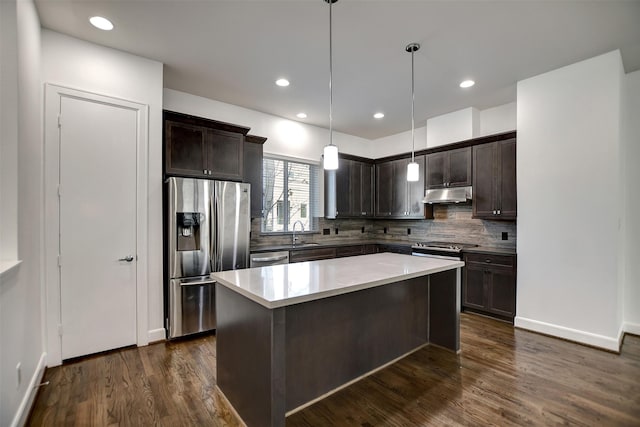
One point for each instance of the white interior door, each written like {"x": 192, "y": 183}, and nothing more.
{"x": 97, "y": 226}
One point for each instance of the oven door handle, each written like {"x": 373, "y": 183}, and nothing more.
{"x": 453, "y": 258}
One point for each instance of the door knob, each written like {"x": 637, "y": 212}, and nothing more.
{"x": 128, "y": 258}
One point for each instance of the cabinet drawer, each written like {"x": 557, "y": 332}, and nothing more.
{"x": 343, "y": 251}
{"x": 312, "y": 254}
{"x": 491, "y": 259}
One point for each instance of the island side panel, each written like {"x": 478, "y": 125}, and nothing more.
{"x": 250, "y": 358}
{"x": 444, "y": 309}
{"x": 334, "y": 340}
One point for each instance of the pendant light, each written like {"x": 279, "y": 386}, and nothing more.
{"x": 413, "y": 169}
{"x": 330, "y": 151}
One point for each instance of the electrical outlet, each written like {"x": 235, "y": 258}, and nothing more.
{"x": 505, "y": 235}
{"x": 18, "y": 374}
{"x": 385, "y": 230}
{"x": 408, "y": 231}
{"x": 336, "y": 231}
{"x": 362, "y": 230}
{"x": 326, "y": 231}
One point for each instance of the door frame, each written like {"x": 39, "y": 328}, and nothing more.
{"x": 52, "y": 310}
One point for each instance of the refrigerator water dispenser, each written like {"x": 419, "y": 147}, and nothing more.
{"x": 188, "y": 231}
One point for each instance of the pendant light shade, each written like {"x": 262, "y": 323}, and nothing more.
{"x": 331, "y": 157}
{"x": 413, "y": 172}
{"x": 330, "y": 151}
{"x": 413, "y": 169}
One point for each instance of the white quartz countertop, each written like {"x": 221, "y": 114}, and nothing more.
{"x": 286, "y": 284}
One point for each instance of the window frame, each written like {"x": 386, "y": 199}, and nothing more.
{"x": 313, "y": 199}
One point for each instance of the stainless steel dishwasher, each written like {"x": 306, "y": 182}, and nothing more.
{"x": 263, "y": 259}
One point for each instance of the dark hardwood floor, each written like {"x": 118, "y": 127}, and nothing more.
{"x": 503, "y": 376}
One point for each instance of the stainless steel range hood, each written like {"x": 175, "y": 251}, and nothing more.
{"x": 448, "y": 195}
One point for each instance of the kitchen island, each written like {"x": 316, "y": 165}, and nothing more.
{"x": 289, "y": 335}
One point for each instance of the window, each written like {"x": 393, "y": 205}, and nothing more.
{"x": 291, "y": 194}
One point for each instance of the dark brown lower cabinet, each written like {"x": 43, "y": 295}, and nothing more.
{"x": 489, "y": 285}
{"x": 315, "y": 254}
{"x": 344, "y": 251}
{"x": 318, "y": 253}
{"x": 396, "y": 249}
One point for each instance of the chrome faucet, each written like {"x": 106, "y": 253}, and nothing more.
{"x": 294, "y": 238}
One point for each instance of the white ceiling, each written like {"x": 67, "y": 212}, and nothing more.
{"x": 234, "y": 50}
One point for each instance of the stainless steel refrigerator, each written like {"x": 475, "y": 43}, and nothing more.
{"x": 208, "y": 226}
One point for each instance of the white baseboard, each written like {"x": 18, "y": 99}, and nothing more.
{"x": 22, "y": 413}
{"x": 632, "y": 328}
{"x": 595, "y": 340}
{"x": 157, "y": 335}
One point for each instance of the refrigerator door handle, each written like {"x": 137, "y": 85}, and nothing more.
{"x": 213, "y": 232}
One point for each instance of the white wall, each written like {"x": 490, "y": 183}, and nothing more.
{"x": 8, "y": 132}
{"x": 631, "y": 141}
{"x": 448, "y": 128}
{"x": 21, "y": 332}
{"x": 498, "y": 119}
{"x": 396, "y": 144}
{"x": 453, "y": 127}
{"x": 89, "y": 67}
{"x": 285, "y": 137}
{"x": 568, "y": 202}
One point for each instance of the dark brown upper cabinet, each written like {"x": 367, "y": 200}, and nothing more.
{"x": 362, "y": 194}
{"x": 450, "y": 168}
{"x": 349, "y": 189}
{"x": 203, "y": 148}
{"x": 494, "y": 180}
{"x": 384, "y": 189}
{"x": 253, "y": 154}
{"x": 395, "y": 196}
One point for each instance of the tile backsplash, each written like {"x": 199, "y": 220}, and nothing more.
{"x": 452, "y": 223}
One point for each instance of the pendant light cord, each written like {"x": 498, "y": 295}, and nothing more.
{"x": 413, "y": 101}
{"x": 330, "y": 76}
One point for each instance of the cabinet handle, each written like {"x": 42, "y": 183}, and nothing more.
{"x": 488, "y": 261}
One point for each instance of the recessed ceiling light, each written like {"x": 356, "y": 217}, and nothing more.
{"x": 378, "y": 115}
{"x": 467, "y": 83}
{"x": 101, "y": 23}
{"x": 282, "y": 82}
{"x": 301, "y": 115}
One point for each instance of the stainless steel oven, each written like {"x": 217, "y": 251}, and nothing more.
{"x": 445, "y": 250}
